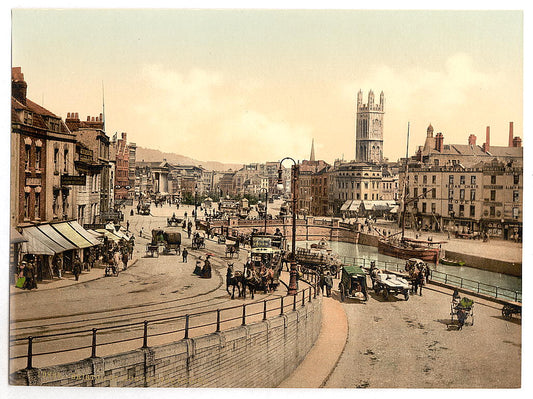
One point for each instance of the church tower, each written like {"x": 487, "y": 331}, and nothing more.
{"x": 312, "y": 156}
{"x": 369, "y": 128}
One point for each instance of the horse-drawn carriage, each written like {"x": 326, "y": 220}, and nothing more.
{"x": 198, "y": 242}
{"x": 172, "y": 240}
{"x": 353, "y": 283}
{"x": 144, "y": 209}
{"x": 232, "y": 248}
{"x": 173, "y": 221}
{"x": 319, "y": 257}
{"x": 389, "y": 284}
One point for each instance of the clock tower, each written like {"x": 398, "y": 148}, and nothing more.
{"x": 369, "y": 128}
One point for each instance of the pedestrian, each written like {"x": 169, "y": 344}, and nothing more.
{"x": 328, "y": 281}
{"x": 141, "y": 232}
{"x": 125, "y": 258}
{"x": 127, "y": 225}
{"x": 421, "y": 280}
{"x": 184, "y": 253}
{"x": 76, "y": 268}
{"x": 198, "y": 267}
{"x": 322, "y": 282}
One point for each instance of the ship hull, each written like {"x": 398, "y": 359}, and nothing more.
{"x": 425, "y": 254}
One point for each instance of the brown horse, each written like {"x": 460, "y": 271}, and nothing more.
{"x": 233, "y": 278}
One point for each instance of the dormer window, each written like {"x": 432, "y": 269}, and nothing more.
{"x": 28, "y": 118}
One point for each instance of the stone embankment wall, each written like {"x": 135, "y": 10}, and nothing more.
{"x": 492, "y": 265}
{"x": 257, "y": 355}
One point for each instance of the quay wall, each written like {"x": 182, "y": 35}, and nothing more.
{"x": 315, "y": 229}
{"x": 258, "y": 355}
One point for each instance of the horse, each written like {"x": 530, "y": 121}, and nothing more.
{"x": 251, "y": 280}
{"x": 234, "y": 279}
{"x": 231, "y": 250}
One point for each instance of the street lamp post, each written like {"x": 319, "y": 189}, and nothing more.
{"x": 294, "y": 176}
{"x": 195, "y": 203}
{"x": 266, "y": 206}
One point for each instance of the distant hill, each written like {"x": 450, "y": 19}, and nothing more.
{"x": 149, "y": 155}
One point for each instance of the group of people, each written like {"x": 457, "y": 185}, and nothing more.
{"x": 204, "y": 270}
{"x": 26, "y": 275}
{"x": 326, "y": 281}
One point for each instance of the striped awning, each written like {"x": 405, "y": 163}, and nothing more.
{"x": 67, "y": 231}
{"x": 84, "y": 233}
{"x": 57, "y": 237}
{"x": 38, "y": 243}
{"x": 108, "y": 234}
{"x": 16, "y": 237}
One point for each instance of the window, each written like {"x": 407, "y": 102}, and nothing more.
{"x": 26, "y": 205}
{"x": 425, "y": 192}
{"x": 461, "y": 210}
{"x": 433, "y": 207}
{"x": 415, "y": 192}
{"x": 516, "y": 179}
{"x": 450, "y": 209}
{"x": 433, "y": 179}
{"x": 462, "y": 179}
{"x": 450, "y": 180}
{"x": 472, "y": 211}
{"x": 56, "y": 160}
{"x": 37, "y": 206}
{"x": 472, "y": 195}
{"x": 516, "y": 212}
{"x": 433, "y": 193}
{"x": 366, "y": 196}
{"x": 416, "y": 178}
{"x": 450, "y": 194}
{"x": 55, "y": 205}
{"x": 493, "y": 195}
{"x": 493, "y": 180}
{"x": 27, "y": 157}
{"x": 424, "y": 179}
{"x": 516, "y": 196}
{"x": 472, "y": 179}
{"x": 462, "y": 194}
{"x": 65, "y": 203}
{"x": 492, "y": 211}
{"x": 65, "y": 160}
{"x": 424, "y": 206}
{"x": 436, "y": 162}
{"x": 37, "y": 157}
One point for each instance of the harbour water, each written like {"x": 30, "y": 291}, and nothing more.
{"x": 455, "y": 274}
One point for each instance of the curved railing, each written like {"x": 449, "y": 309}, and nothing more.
{"x": 205, "y": 322}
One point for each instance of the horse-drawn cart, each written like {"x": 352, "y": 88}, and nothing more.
{"x": 172, "y": 240}
{"x": 511, "y": 308}
{"x": 152, "y": 250}
{"x": 390, "y": 284}
{"x": 173, "y": 221}
{"x": 232, "y": 248}
{"x": 353, "y": 283}
{"x": 462, "y": 309}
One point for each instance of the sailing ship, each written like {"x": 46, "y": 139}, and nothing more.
{"x": 406, "y": 248}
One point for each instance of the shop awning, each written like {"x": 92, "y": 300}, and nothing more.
{"x": 39, "y": 244}
{"x": 96, "y": 234}
{"x": 84, "y": 233}
{"x": 346, "y": 205}
{"x": 108, "y": 234}
{"x": 55, "y": 236}
{"x": 16, "y": 237}
{"x": 66, "y": 230}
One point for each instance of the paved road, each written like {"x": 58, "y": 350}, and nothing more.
{"x": 407, "y": 344}
{"x": 152, "y": 288}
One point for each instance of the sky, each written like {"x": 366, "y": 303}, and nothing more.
{"x": 256, "y": 85}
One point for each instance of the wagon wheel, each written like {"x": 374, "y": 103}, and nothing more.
{"x": 342, "y": 292}
{"x": 386, "y": 294}
{"x": 406, "y": 295}
{"x": 506, "y": 313}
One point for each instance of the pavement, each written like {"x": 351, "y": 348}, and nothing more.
{"x": 325, "y": 352}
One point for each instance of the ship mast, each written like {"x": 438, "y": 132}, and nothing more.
{"x": 405, "y": 183}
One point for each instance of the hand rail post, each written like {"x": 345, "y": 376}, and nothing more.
{"x": 264, "y": 309}
{"x": 218, "y": 320}
{"x": 30, "y": 353}
{"x": 303, "y": 297}
{"x": 145, "y": 334}
{"x": 281, "y": 306}
{"x": 244, "y": 314}
{"x": 186, "y": 327}
{"x": 294, "y": 302}
{"x": 93, "y": 346}
{"x": 310, "y": 292}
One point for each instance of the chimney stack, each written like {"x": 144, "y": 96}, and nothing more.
{"x": 511, "y": 134}
{"x": 472, "y": 139}
{"x": 439, "y": 142}
{"x": 486, "y": 145}
{"x": 18, "y": 85}
{"x": 517, "y": 142}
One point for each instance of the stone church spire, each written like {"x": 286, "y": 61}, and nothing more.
{"x": 312, "y": 156}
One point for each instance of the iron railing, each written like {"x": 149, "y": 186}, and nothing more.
{"x": 217, "y": 320}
